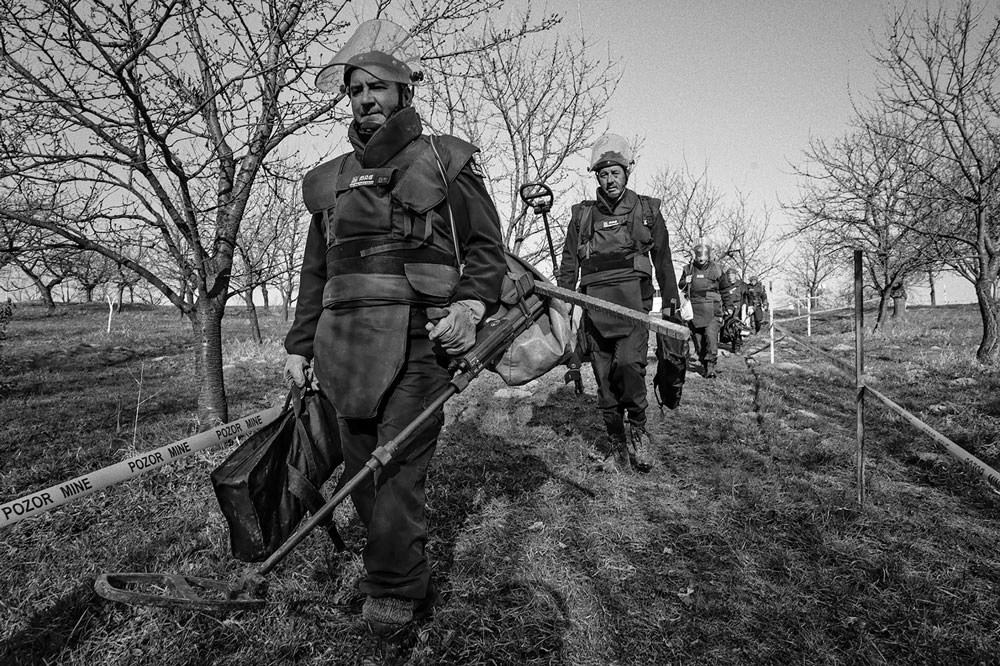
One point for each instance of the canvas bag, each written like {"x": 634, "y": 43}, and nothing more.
{"x": 549, "y": 340}
{"x": 671, "y": 369}
{"x": 272, "y": 479}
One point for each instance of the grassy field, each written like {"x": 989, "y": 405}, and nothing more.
{"x": 744, "y": 545}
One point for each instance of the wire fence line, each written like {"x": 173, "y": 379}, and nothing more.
{"x": 813, "y": 313}
{"x": 983, "y": 471}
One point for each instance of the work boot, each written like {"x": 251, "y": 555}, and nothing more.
{"x": 710, "y": 370}
{"x": 386, "y": 616}
{"x": 640, "y": 447}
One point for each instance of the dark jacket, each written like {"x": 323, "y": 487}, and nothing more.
{"x": 613, "y": 249}
{"x": 709, "y": 290}
{"x": 476, "y": 221}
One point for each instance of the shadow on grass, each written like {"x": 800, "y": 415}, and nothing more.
{"x": 60, "y": 627}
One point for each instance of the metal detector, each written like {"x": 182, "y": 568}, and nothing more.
{"x": 540, "y": 198}
{"x": 178, "y": 591}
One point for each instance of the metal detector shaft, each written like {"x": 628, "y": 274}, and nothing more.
{"x": 492, "y": 341}
{"x": 552, "y": 246}
{"x": 379, "y": 458}
{"x": 643, "y": 319}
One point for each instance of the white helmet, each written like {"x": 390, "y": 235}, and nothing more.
{"x": 381, "y": 48}
{"x": 611, "y": 149}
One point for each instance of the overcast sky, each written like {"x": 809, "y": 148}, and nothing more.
{"x": 737, "y": 85}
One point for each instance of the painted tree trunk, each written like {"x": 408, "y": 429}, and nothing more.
{"x": 989, "y": 347}
{"x": 207, "y": 325}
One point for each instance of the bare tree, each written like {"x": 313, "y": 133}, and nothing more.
{"x": 166, "y": 115}
{"x": 862, "y": 191}
{"x": 529, "y": 104}
{"x": 697, "y": 211}
{"x": 941, "y": 71}
{"x": 812, "y": 262}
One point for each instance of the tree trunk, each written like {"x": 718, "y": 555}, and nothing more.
{"x": 121, "y": 297}
{"x": 989, "y": 347}
{"x": 265, "y": 296}
{"x": 883, "y": 308}
{"x": 252, "y": 316}
{"x": 286, "y": 302}
{"x": 207, "y": 325}
{"x": 930, "y": 279}
{"x": 88, "y": 293}
{"x": 46, "y": 293}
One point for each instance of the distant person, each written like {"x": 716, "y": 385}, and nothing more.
{"x": 403, "y": 226}
{"x": 614, "y": 246}
{"x": 758, "y": 301}
{"x": 711, "y": 300}
{"x": 733, "y": 324}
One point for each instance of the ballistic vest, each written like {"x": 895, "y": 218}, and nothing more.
{"x": 613, "y": 248}
{"x": 380, "y": 225}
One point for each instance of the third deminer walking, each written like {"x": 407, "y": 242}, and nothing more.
{"x": 615, "y": 244}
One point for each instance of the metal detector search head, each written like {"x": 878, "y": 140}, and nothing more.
{"x": 175, "y": 591}
{"x": 538, "y": 196}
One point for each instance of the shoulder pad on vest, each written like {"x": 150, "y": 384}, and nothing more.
{"x": 577, "y": 210}
{"x": 455, "y": 153}
{"x": 422, "y": 188}
{"x": 319, "y": 186}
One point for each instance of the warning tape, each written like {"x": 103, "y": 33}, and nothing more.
{"x": 81, "y": 486}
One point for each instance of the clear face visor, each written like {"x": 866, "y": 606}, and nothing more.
{"x": 611, "y": 149}
{"x": 379, "y": 47}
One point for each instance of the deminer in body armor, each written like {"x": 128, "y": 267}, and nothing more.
{"x": 733, "y": 325}
{"x": 403, "y": 229}
{"x": 614, "y": 246}
{"x": 757, "y": 295}
{"x": 711, "y": 301}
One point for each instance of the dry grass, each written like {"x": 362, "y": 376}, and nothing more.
{"x": 743, "y": 546}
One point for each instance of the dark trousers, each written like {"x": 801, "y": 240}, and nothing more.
{"x": 392, "y": 503}
{"x": 706, "y": 341}
{"x": 620, "y": 370}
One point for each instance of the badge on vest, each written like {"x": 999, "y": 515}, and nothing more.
{"x": 371, "y": 178}
{"x": 613, "y": 223}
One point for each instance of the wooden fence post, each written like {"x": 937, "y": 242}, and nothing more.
{"x": 859, "y": 382}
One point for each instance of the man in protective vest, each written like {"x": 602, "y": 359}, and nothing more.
{"x": 711, "y": 300}
{"x": 758, "y": 301}
{"x": 403, "y": 230}
{"x": 739, "y": 298}
{"x": 614, "y": 245}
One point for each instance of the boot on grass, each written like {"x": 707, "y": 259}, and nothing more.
{"x": 640, "y": 447}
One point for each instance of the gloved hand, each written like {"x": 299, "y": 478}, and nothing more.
{"x": 456, "y": 331}
{"x": 728, "y": 311}
{"x": 573, "y": 375}
{"x": 298, "y": 371}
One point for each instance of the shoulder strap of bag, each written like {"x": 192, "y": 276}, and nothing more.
{"x": 451, "y": 213}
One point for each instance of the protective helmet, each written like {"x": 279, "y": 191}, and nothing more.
{"x": 611, "y": 149}
{"x": 753, "y": 279}
{"x": 381, "y": 48}
{"x": 731, "y": 275}
{"x": 702, "y": 254}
